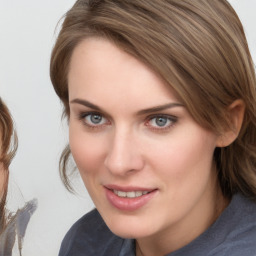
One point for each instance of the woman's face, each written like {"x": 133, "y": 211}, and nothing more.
{"x": 147, "y": 165}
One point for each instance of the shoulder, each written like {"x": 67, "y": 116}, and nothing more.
{"x": 240, "y": 234}
{"x": 240, "y": 216}
{"x": 90, "y": 236}
{"x": 233, "y": 233}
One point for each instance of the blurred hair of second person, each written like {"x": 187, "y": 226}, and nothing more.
{"x": 12, "y": 224}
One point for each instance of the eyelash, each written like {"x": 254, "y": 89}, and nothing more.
{"x": 172, "y": 120}
{"x": 84, "y": 115}
{"x": 169, "y": 118}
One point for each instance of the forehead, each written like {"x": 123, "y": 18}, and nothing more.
{"x": 99, "y": 68}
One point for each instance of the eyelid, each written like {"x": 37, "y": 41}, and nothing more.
{"x": 172, "y": 117}
{"x": 82, "y": 115}
{"x": 173, "y": 120}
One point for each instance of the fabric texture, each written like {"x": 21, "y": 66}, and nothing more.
{"x": 11, "y": 238}
{"x": 233, "y": 233}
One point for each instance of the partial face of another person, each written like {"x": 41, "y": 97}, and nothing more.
{"x": 147, "y": 165}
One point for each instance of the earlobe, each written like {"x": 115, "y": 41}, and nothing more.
{"x": 236, "y": 117}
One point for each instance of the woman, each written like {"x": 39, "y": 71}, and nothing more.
{"x": 7, "y": 152}
{"x": 161, "y": 100}
{"x": 12, "y": 225}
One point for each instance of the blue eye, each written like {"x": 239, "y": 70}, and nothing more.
{"x": 94, "y": 119}
{"x": 161, "y": 122}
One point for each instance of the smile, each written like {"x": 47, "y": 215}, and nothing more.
{"x": 129, "y": 198}
{"x": 130, "y": 194}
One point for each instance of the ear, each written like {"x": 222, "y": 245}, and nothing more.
{"x": 236, "y": 116}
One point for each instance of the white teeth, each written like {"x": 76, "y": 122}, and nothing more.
{"x": 121, "y": 193}
{"x": 139, "y": 193}
{"x": 130, "y": 194}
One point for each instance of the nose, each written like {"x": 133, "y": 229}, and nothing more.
{"x": 124, "y": 155}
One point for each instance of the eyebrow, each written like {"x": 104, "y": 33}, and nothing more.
{"x": 141, "y": 112}
{"x": 86, "y": 104}
{"x": 159, "y": 108}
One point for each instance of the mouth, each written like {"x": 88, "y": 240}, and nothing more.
{"x": 129, "y": 198}
{"x": 130, "y": 194}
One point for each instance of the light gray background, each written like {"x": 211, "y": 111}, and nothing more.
{"x": 26, "y": 39}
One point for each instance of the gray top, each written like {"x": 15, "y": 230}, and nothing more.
{"x": 233, "y": 233}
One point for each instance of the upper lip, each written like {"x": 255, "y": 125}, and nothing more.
{"x": 128, "y": 188}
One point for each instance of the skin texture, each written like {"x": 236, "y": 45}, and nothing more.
{"x": 128, "y": 148}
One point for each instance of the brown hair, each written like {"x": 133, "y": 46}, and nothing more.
{"x": 197, "y": 46}
{"x": 8, "y": 147}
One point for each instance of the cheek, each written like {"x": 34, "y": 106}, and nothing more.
{"x": 195, "y": 149}
{"x": 185, "y": 156}
{"x": 86, "y": 150}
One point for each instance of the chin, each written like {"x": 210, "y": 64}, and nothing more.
{"x": 127, "y": 233}
{"x": 133, "y": 227}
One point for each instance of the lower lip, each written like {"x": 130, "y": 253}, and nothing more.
{"x": 128, "y": 204}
